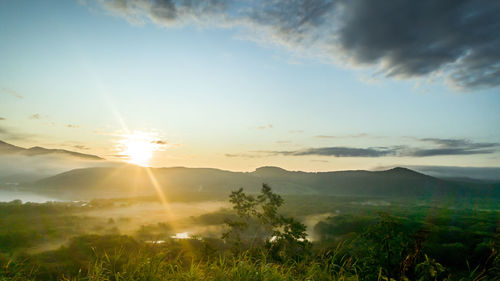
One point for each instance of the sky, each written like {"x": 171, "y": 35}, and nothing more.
{"x": 304, "y": 85}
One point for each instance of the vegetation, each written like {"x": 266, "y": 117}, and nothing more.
{"x": 360, "y": 239}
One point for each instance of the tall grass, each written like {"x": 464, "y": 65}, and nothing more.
{"x": 242, "y": 267}
{"x": 150, "y": 263}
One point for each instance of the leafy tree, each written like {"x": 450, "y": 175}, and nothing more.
{"x": 260, "y": 224}
{"x": 385, "y": 247}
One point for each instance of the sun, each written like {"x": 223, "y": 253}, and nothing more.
{"x": 140, "y": 152}
{"x": 138, "y": 148}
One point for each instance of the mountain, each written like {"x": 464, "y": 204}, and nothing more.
{"x": 128, "y": 180}
{"x": 22, "y": 165}
{"x": 6, "y": 148}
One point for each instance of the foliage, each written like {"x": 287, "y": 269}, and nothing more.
{"x": 360, "y": 239}
{"x": 259, "y": 223}
{"x": 429, "y": 270}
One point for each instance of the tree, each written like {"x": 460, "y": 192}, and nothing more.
{"x": 260, "y": 224}
{"x": 386, "y": 246}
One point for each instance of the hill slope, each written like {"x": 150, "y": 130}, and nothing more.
{"x": 129, "y": 180}
{"x": 21, "y": 165}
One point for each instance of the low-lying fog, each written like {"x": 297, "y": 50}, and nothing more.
{"x": 7, "y": 195}
{"x": 148, "y": 220}
{"x": 179, "y": 216}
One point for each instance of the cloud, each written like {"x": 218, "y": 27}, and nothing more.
{"x": 120, "y": 156}
{"x": 440, "y": 147}
{"x": 35, "y": 116}
{"x": 12, "y": 92}
{"x": 160, "y": 142}
{"x": 46, "y": 118}
{"x": 72, "y": 126}
{"x": 2, "y": 118}
{"x": 459, "y": 143}
{"x": 453, "y": 147}
{"x": 457, "y": 39}
{"x": 341, "y": 151}
{"x": 447, "y": 151}
{"x": 243, "y": 155}
{"x": 320, "y": 161}
{"x": 81, "y": 147}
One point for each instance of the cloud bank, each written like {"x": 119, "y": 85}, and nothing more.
{"x": 455, "y": 147}
{"x": 456, "y": 39}
{"x": 340, "y": 151}
{"x": 439, "y": 147}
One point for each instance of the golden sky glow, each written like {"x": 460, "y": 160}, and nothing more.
{"x": 222, "y": 98}
{"x": 138, "y": 147}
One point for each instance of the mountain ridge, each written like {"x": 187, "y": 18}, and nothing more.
{"x": 135, "y": 180}
{"x": 7, "y": 148}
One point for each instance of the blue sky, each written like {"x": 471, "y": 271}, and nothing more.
{"x": 70, "y": 71}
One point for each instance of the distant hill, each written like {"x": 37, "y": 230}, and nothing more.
{"x": 6, "y": 148}
{"x": 129, "y": 180}
{"x": 20, "y": 165}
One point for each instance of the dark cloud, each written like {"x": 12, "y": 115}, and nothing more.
{"x": 403, "y": 38}
{"x": 340, "y": 151}
{"x": 415, "y": 38}
{"x": 453, "y": 147}
{"x": 164, "y": 10}
{"x": 440, "y": 147}
{"x": 447, "y": 151}
{"x": 464, "y": 143}
{"x": 2, "y": 118}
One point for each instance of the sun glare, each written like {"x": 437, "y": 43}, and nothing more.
{"x": 138, "y": 148}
